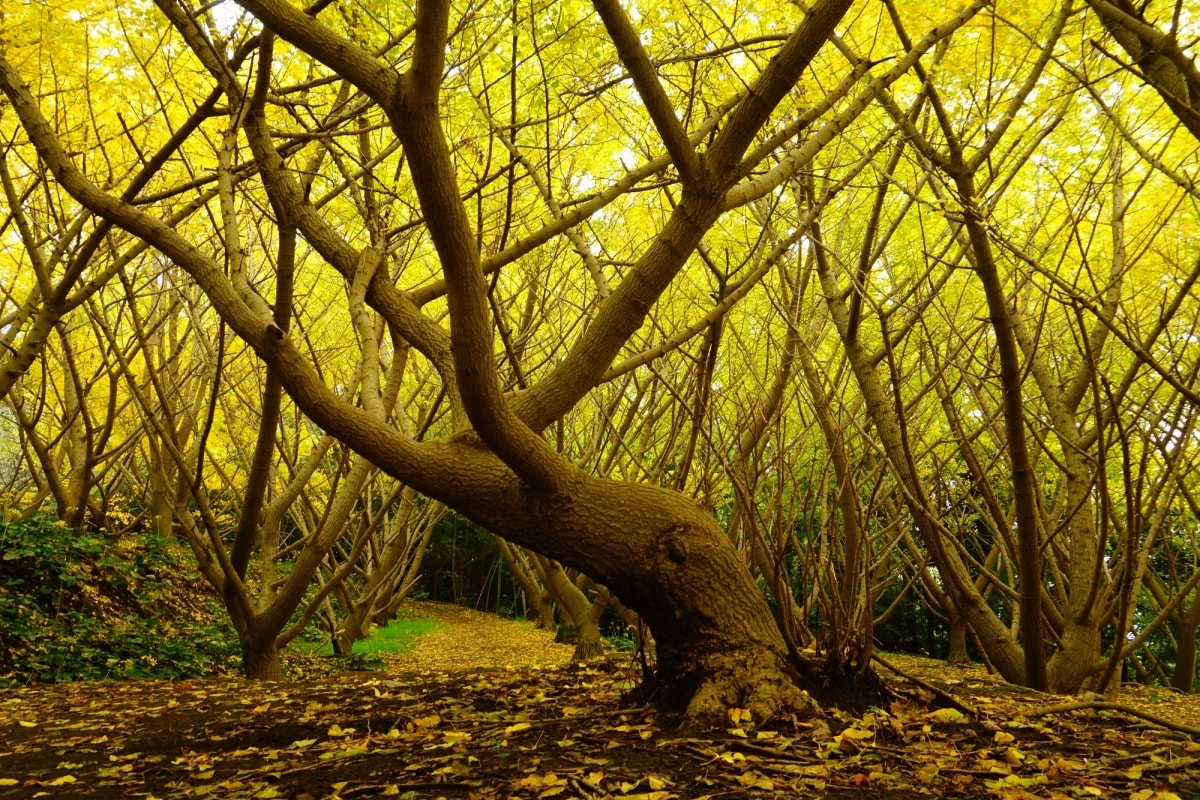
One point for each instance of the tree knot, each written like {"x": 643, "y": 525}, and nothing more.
{"x": 672, "y": 543}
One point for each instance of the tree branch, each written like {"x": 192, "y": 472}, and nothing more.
{"x": 654, "y": 98}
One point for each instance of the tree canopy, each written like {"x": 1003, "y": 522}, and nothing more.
{"x": 752, "y": 319}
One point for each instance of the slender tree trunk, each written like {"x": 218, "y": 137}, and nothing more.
{"x": 958, "y": 641}
{"x": 1029, "y": 561}
{"x": 1184, "y": 676}
{"x": 536, "y": 595}
{"x": 585, "y": 619}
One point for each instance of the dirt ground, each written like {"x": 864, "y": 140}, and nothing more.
{"x": 488, "y": 708}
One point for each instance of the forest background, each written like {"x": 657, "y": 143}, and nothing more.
{"x": 758, "y": 325}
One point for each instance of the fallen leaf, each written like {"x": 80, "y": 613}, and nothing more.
{"x": 756, "y": 780}
{"x": 948, "y": 715}
{"x": 858, "y": 733}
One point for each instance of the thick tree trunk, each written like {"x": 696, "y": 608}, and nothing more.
{"x": 717, "y": 643}
{"x": 260, "y": 658}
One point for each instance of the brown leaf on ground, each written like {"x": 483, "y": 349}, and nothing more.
{"x": 507, "y": 729}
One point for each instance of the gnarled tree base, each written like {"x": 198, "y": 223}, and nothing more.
{"x": 707, "y": 686}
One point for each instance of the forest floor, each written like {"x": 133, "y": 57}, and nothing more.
{"x": 487, "y": 708}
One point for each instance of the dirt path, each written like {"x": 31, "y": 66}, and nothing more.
{"x": 469, "y": 639}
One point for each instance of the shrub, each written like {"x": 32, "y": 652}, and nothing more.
{"x": 76, "y": 605}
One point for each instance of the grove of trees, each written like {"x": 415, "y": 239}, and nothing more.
{"x": 753, "y": 321}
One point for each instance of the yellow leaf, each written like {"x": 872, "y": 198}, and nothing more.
{"x": 260, "y": 709}
{"x": 391, "y": 790}
{"x": 27, "y": 724}
{"x": 300, "y": 744}
{"x": 756, "y": 780}
{"x": 62, "y": 781}
{"x": 656, "y": 783}
{"x": 335, "y": 730}
{"x": 858, "y": 733}
{"x": 1002, "y": 737}
{"x": 427, "y": 722}
{"x": 520, "y": 726}
{"x": 948, "y": 715}
{"x": 9, "y": 781}
{"x": 738, "y": 715}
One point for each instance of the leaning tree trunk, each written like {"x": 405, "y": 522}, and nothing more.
{"x": 717, "y": 643}
{"x": 537, "y": 598}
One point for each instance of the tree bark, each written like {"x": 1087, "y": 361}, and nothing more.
{"x": 537, "y": 597}
{"x": 717, "y": 643}
{"x": 958, "y": 642}
{"x": 1184, "y": 676}
{"x": 260, "y": 656}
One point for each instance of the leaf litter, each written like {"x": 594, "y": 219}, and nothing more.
{"x": 528, "y": 731}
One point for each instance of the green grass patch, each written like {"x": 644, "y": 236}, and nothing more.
{"x": 395, "y": 637}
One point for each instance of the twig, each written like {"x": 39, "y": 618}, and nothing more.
{"x": 941, "y": 694}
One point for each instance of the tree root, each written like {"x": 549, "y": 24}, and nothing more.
{"x": 1108, "y": 705}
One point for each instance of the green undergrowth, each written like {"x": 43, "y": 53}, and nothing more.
{"x": 84, "y": 606}
{"x": 395, "y": 637}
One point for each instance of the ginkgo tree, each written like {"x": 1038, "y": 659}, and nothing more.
{"x": 717, "y": 642}
{"x": 579, "y": 272}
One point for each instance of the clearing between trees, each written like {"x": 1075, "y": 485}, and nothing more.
{"x": 523, "y": 722}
